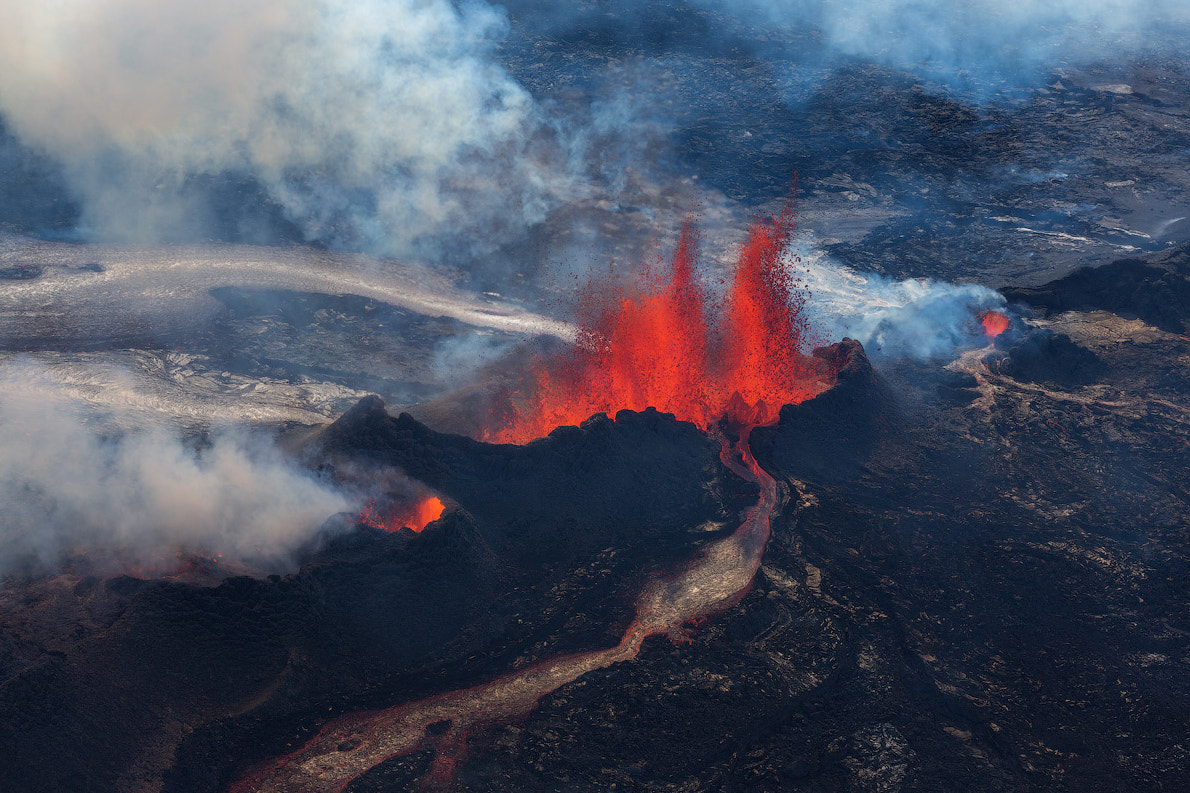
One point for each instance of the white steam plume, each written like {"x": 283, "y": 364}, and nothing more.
{"x": 916, "y": 318}
{"x": 142, "y": 496}
{"x": 383, "y": 123}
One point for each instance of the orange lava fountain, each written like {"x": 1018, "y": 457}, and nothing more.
{"x": 656, "y": 340}
{"x": 994, "y": 323}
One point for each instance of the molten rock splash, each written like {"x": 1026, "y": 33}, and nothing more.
{"x": 657, "y": 340}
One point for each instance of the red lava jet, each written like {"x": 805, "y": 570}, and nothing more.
{"x": 656, "y": 344}
{"x": 661, "y": 342}
{"x": 994, "y": 323}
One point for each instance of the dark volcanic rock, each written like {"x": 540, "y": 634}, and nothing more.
{"x": 539, "y": 552}
{"x": 993, "y": 601}
{"x": 559, "y": 497}
{"x": 1043, "y": 356}
{"x": 831, "y": 435}
{"x": 1155, "y": 288}
{"x": 21, "y": 272}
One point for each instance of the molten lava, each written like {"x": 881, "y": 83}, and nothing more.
{"x": 994, "y": 323}
{"x": 653, "y": 342}
{"x": 657, "y": 340}
{"x": 414, "y": 516}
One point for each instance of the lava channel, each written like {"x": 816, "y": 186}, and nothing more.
{"x": 349, "y": 746}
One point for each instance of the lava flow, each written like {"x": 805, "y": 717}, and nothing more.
{"x": 349, "y": 746}
{"x": 652, "y": 343}
{"x": 656, "y": 341}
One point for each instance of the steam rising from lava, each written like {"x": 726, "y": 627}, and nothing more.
{"x": 655, "y": 341}
{"x": 917, "y": 318}
{"x": 141, "y": 498}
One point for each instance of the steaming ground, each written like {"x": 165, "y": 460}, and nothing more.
{"x": 245, "y": 332}
{"x": 918, "y": 318}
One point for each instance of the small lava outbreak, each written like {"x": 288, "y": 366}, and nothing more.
{"x": 994, "y": 323}
{"x": 658, "y": 340}
{"x": 415, "y": 516}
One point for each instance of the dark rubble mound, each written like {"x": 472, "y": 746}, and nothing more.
{"x": 1043, "y": 356}
{"x": 640, "y": 479}
{"x": 1154, "y": 288}
{"x": 829, "y": 437}
{"x": 539, "y": 552}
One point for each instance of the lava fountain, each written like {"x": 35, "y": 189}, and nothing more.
{"x": 658, "y": 340}
{"x": 994, "y": 323}
{"x": 654, "y": 342}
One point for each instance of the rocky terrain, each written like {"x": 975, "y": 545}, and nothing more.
{"x": 974, "y": 582}
{"x": 977, "y": 586}
{"x": 976, "y": 578}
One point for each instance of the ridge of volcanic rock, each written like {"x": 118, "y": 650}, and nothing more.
{"x": 1154, "y": 288}
{"x": 642, "y": 480}
{"x": 829, "y": 437}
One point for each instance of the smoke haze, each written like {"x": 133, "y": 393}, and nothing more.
{"x": 916, "y": 318}
{"x": 72, "y": 480}
{"x": 440, "y": 129}
{"x": 972, "y": 44}
{"x": 395, "y": 126}
{"x": 373, "y": 124}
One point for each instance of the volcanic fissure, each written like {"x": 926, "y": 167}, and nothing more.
{"x": 652, "y": 342}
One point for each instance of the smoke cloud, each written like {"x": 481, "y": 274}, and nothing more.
{"x": 72, "y": 481}
{"x": 974, "y": 44}
{"x": 379, "y": 124}
{"x": 917, "y": 318}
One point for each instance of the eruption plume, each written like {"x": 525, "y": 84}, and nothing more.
{"x": 657, "y": 340}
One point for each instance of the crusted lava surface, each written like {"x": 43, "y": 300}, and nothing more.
{"x": 975, "y": 582}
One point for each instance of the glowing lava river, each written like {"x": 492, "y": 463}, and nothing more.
{"x": 349, "y": 746}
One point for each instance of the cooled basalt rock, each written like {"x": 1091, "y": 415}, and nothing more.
{"x": 541, "y": 551}
{"x": 1043, "y": 356}
{"x": 562, "y": 496}
{"x": 1154, "y": 288}
{"x": 828, "y": 436}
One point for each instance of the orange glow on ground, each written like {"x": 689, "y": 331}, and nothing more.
{"x": 414, "y": 516}
{"x": 655, "y": 339}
